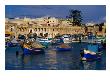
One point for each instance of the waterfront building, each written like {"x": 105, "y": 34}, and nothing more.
{"x": 49, "y": 26}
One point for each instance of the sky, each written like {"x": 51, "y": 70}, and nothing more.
{"x": 90, "y": 13}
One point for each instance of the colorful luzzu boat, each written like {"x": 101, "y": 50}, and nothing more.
{"x": 36, "y": 50}
{"x": 44, "y": 42}
{"x": 90, "y": 56}
{"x": 32, "y": 49}
{"x": 91, "y": 53}
{"x": 64, "y": 47}
{"x": 10, "y": 44}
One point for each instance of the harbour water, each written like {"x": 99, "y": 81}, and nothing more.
{"x": 52, "y": 59}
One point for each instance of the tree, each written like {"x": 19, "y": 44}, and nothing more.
{"x": 100, "y": 26}
{"x": 75, "y": 17}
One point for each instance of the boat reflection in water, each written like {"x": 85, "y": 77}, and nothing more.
{"x": 52, "y": 59}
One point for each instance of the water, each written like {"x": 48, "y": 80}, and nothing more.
{"x": 52, "y": 60}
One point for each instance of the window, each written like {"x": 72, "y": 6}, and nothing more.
{"x": 35, "y": 29}
{"x": 11, "y": 29}
{"x": 42, "y": 29}
{"x": 45, "y": 29}
{"x": 39, "y": 29}
{"x": 30, "y": 31}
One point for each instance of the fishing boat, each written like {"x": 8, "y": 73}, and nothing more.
{"x": 64, "y": 47}
{"x": 12, "y": 43}
{"x": 57, "y": 41}
{"x": 100, "y": 39}
{"x": 33, "y": 48}
{"x": 26, "y": 49}
{"x": 92, "y": 53}
{"x": 9, "y": 44}
{"x": 66, "y": 39}
{"x": 44, "y": 42}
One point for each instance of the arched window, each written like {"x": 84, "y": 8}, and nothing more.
{"x": 45, "y": 29}
{"x": 30, "y": 31}
{"x": 35, "y": 29}
{"x": 11, "y": 29}
{"x": 39, "y": 29}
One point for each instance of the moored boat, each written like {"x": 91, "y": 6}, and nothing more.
{"x": 44, "y": 42}
{"x": 66, "y": 39}
{"x": 12, "y": 43}
{"x": 33, "y": 48}
{"x": 92, "y": 53}
{"x": 64, "y": 47}
{"x": 37, "y": 50}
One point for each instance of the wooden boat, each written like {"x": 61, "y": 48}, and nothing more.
{"x": 66, "y": 39}
{"x": 64, "y": 47}
{"x": 91, "y": 53}
{"x": 37, "y": 50}
{"x": 14, "y": 42}
{"x": 90, "y": 57}
{"x": 44, "y": 42}
{"x": 10, "y": 44}
{"x": 57, "y": 41}
{"x": 33, "y": 48}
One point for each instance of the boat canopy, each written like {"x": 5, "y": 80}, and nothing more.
{"x": 14, "y": 41}
{"x": 93, "y": 48}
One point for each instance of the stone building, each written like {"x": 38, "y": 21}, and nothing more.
{"x": 47, "y": 21}
{"x": 97, "y": 29}
{"x": 49, "y": 26}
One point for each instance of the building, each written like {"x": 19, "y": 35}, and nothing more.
{"x": 47, "y": 21}
{"x": 49, "y": 26}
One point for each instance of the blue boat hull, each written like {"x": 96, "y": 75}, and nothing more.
{"x": 11, "y": 44}
{"x": 37, "y": 51}
{"x": 33, "y": 51}
{"x": 26, "y": 51}
{"x": 63, "y": 49}
{"x": 90, "y": 57}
